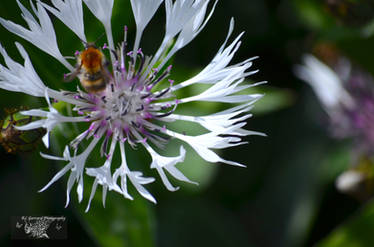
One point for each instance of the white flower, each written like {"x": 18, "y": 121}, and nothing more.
{"x": 132, "y": 108}
{"x": 326, "y": 84}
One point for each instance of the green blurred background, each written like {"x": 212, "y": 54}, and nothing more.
{"x": 286, "y": 197}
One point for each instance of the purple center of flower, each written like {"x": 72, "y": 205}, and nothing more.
{"x": 129, "y": 102}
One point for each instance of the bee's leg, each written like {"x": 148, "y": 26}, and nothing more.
{"x": 106, "y": 64}
{"x": 71, "y": 76}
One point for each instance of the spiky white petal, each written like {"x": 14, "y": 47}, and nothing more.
{"x": 190, "y": 30}
{"x": 135, "y": 177}
{"x": 20, "y": 78}
{"x": 224, "y": 90}
{"x": 41, "y": 35}
{"x": 218, "y": 68}
{"x": 203, "y": 144}
{"x": 103, "y": 176}
{"x": 325, "y": 83}
{"x": 70, "y": 12}
{"x": 177, "y": 15}
{"x": 168, "y": 163}
{"x": 143, "y": 11}
{"x": 220, "y": 121}
{"x": 102, "y": 10}
{"x": 49, "y": 119}
{"x": 76, "y": 166}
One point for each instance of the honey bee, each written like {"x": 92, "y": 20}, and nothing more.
{"x": 91, "y": 69}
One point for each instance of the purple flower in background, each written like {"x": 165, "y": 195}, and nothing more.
{"x": 347, "y": 95}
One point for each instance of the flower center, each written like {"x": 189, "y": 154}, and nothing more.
{"x": 127, "y": 105}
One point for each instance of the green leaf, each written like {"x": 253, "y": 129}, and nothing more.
{"x": 121, "y": 223}
{"x": 356, "y": 232}
{"x": 273, "y": 100}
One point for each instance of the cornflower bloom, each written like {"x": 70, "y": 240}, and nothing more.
{"x": 138, "y": 102}
{"x": 347, "y": 95}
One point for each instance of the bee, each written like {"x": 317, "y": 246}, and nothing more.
{"x": 91, "y": 69}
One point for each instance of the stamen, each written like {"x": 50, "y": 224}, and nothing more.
{"x": 140, "y": 109}
{"x": 136, "y": 125}
{"x": 123, "y": 57}
{"x": 167, "y": 113}
{"x": 104, "y": 146}
{"x": 142, "y": 61}
{"x": 163, "y": 92}
{"x": 74, "y": 144}
{"x": 146, "y": 96}
{"x": 124, "y": 113}
{"x": 114, "y": 54}
{"x": 165, "y": 74}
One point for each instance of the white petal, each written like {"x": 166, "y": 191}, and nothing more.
{"x": 190, "y": 30}
{"x": 46, "y": 139}
{"x": 68, "y": 189}
{"x": 222, "y": 91}
{"x": 35, "y": 113}
{"x": 137, "y": 181}
{"x": 70, "y": 12}
{"x": 76, "y": 165}
{"x": 220, "y": 121}
{"x": 136, "y": 178}
{"x": 57, "y": 176}
{"x": 93, "y": 190}
{"x": 102, "y": 9}
{"x": 325, "y": 83}
{"x": 51, "y": 157}
{"x": 33, "y": 125}
{"x": 218, "y": 68}
{"x": 20, "y": 78}
{"x": 203, "y": 143}
{"x": 41, "y": 35}
{"x": 161, "y": 162}
{"x": 143, "y": 11}
{"x": 103, "y": 175}
{"x": 178, "y": 14}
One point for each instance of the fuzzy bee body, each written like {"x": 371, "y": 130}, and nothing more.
{"x": 91, "y": 70}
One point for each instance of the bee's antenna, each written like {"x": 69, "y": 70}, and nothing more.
{"x": 88, "y": 44}
{"x": 99, "y": 37}
{"x": 84, "y": 43}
